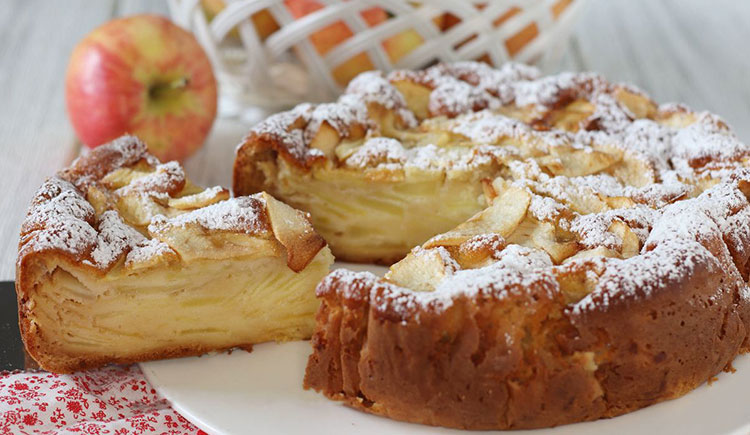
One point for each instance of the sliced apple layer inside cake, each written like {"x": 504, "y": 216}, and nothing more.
{"x": 123, "y": 259}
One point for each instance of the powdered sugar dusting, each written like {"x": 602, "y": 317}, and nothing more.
{"x": 638, "y": 277}
{"x": 545, "y": 208}
{"x": 149, "y": 250}
{"x": 594, "y": 229}
{"x": 499, "y": 83}
{"x": 340, "y": 116}
{"x": 280, "y": 128}
{"x": 712, "y": 215}
{"x": 131, "y": 149}
{"x": 686, "y": 235}
{"x": 245, "y": 214}
{"x": 59, "y": 219}
{"x": 390, "y": 154}
{"x": 377, "y": 151}
{"x": 463, "y": 87}
{"x": 516, "y": 269}
{"x": 492, "y": 242}
{"x": 451, "y": 266}
{"x": 487, "y": 127}
{"x": 651, "y": 160}
{"x": 649, "y": 140}
{"x": 293, "y": 131}
{"x": 452, "y": 97}
{"x": 58, "y": 198}
{"x": 552, "y": 90}
{"x": 459, "y": 89}
{"x": 166, "y": 178}
{"x": 373, "y": 88}
{"x": 707, "y": 140}
{"x": 115, "y": 238}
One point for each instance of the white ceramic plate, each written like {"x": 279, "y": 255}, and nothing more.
{"x": 261, "y": 392}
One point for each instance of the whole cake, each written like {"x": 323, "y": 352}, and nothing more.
{"x": 123, "y": 259}
{"x": 584, "y": 251}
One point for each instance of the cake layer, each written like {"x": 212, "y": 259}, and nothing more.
{"x": 346, "y": 210}
{"x": 81, "y": 321}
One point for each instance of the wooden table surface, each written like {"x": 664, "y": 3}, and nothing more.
{"x": 691, "y": 51}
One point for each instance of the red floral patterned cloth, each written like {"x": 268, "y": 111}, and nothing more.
{"x": 112, "y": 400}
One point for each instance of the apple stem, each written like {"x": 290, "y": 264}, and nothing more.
{"x": 161, "y": 89}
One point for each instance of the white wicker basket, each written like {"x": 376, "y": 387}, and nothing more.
{"x": 288, "y": 65}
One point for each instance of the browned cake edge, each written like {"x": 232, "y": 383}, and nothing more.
{"x": 457, "y": 369}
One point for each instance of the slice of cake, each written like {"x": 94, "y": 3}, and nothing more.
{"x": 122, "y": 259}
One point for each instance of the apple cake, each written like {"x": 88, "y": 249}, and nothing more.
{"x": 604, "y": 266}
{"x": 122, "y": 259}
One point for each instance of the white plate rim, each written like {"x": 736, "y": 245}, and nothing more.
{"x": 175, "y": 380}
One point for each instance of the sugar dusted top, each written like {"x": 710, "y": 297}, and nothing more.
{"x": 106, "y": 209}
{"x": 638, "y": 194}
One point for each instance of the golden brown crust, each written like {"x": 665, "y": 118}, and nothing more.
{"x": 248, "y": 179}
{"x": 458, "y": 368}
{"x": 93, "y": 166}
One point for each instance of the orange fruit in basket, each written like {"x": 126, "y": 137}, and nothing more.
{"x": 327, "y": 38}
{"x": 263, "y": 21}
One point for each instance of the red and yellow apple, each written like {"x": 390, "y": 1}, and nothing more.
{"x": 145, "y": 76}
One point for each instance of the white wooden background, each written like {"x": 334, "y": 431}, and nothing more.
{"x": 692, "y": 51}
